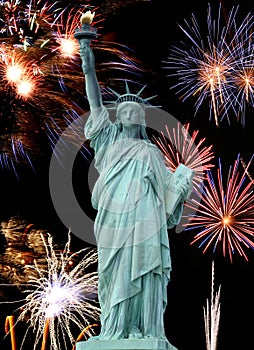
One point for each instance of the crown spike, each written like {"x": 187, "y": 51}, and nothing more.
{"x": 141, "y": 90}
{"x": 127, "y": 87}
{"x": 149, "y": 98}
{"x": 114, "y": 92}
{"x": 128, "y": 96}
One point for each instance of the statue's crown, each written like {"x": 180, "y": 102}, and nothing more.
{"x": 130, "y": 97}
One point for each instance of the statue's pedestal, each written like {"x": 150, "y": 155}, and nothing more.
{"x": 125, "y": 344}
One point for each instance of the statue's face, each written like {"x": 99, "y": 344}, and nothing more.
{"x": 130, "y": 113}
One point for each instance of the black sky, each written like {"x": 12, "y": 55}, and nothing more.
{"x": 150, "y": 28}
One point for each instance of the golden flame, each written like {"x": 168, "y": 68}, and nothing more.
{"x": 87, "y": 17}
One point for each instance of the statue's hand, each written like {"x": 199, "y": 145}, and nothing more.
{"x": 186, "y": 187}
{"x": 87, "y": 57}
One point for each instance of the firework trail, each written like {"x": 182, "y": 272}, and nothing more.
{"x": 9, "y": 329}
{"x": 179, "y": 146}
{"x": 217, "y": 65}
{"x": 212, "y": 317}
{"x": 60, "y": 297}
{"x": 224, "y": 212}
{"x": 242, "y": 80}
{"x": 41, "y": 80}
{"x": 22, "y": 244}
{"x": 112, "y": 7}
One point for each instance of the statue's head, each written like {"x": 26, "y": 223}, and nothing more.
{"x": 130, "y": 109}
{"x": 130, "y": 112}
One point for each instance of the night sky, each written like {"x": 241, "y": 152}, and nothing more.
{"x": 150, "y": 28}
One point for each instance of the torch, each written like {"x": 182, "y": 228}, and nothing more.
{"x": 86, "y": 33}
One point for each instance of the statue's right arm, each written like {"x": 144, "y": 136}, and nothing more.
{"x": 92, "y": 86}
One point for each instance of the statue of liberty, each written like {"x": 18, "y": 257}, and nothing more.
{"x": 132, "y": 219}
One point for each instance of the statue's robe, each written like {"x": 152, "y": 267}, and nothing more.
{"x": 131, "y": 225}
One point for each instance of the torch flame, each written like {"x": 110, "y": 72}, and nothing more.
{"x": 87, "y": 17}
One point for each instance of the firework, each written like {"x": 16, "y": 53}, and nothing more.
{"x": 113, "y": 7}
{"x": 9, "y": 328}
{"x": 61, "y": 297}
{"x": 23, "y": 244}
{"x": 243, "y": 77}
{"x": 217, "y": 65}
{"x": 224, "y": 212}
{"x": 41, "y": 76}
{"x": 179, "y": 146}
{"x": 212, "y": 317}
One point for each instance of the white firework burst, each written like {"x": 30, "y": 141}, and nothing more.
{"x": 212, "y": 317}
{"x": 62, "y": 297}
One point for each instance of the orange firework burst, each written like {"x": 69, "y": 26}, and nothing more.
{"x": 19, "y": 73}
{"x": 179, "y": 146}
{"x": 224, "y": 215}
{"x": 25, "y": 88}
{"x": 13, "y": 73}
{"x": 41, "y": 79}
{"x": 63, "y": 31}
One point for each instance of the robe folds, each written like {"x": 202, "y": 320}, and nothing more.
{"x": 130, "y": 228}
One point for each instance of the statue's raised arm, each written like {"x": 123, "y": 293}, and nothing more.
{"x": 85, "y": 34}
{"x": 88, "y": 65}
